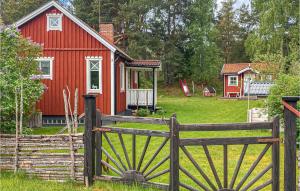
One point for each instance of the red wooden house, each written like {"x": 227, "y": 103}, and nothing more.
{"x": 77, "y": 56}
{"x": 236, "y": 77}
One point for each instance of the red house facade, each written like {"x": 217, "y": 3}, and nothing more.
{"x": 237, "y": 76}
{"x": 76, "y": 56}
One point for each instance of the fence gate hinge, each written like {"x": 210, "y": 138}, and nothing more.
{"x": 269, "y": 140}
{"x": 101, "y": 129}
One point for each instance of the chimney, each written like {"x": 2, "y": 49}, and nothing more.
{"x": 106, "y": 30}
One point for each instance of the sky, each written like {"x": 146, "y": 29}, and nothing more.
{"x": 237, "y": 4}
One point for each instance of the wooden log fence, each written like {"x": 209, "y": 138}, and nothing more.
{"x": 45, "y": 156}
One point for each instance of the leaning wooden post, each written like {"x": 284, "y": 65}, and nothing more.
{"x": 89, "y": 139}
{"x": 275, "y": 154}
{"x": 98, "y": 146}
{"x": 290, "y": 133}
{"x": 174, "y": 154}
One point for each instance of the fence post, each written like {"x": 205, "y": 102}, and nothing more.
{"x": 174, "y": 154}
{"x": 89, "y": 139}
{"x": 290, "y": 132}
{"x": 275, "y": 154}
{"x": 98, "y": 142}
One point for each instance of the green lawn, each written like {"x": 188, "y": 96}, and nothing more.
{"x": 188, "y": 110}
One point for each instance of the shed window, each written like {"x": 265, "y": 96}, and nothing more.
{"x": 94, "y": 75}
{"x": 45, "y": 67}
{"x": 54, "y": 22}
{"x": 232, "y": 80}
{"x": 122, "y": 77}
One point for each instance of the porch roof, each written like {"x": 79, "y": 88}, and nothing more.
{"x": 144, "y": 63}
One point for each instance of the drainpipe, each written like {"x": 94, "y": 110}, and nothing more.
{"x": 153, "y": 87}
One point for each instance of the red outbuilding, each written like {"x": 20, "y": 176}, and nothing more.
{"x": 237, "y": 76}
{"x": 77, "y": 56}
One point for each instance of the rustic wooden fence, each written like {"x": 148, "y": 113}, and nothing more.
{"x": 45, "y": 156}
{"x": 127, "y": 169}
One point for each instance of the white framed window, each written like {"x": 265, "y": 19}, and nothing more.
{"x": 45, "y": 65}
{"x": 54, "y": 22}
{"x": 122, "y": 77}
{"x": 233, "y": 81}
{"x": 94, "y": 74}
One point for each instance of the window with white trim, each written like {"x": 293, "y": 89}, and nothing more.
{"x": 45, "y": 65}
{"x": 122, "y": 77}
{"x": 94, "y": 74}
{"x": 232, "y": 80}
{"x": 54, "y": 22}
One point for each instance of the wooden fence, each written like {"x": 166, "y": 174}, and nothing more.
{"x": 45, "y": 156}
{"x": 124, "y": 168}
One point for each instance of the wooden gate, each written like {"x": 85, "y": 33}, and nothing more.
{"x": 213, "y": 182}
{"x": 126, "y": 165}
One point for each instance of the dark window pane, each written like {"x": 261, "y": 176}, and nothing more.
{"x": 94, "y": 80}
{"x": 45, "y": 67}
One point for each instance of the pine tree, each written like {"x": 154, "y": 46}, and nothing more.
{"x": 228, "y": 30}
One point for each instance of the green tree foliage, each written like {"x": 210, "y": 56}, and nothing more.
{"x": 278, "y": 29}
{"x": 228, "y": 30}
{"x": 285, "y": 85}
{"x": 205, "y": 58}
{"x": 12, "y": 10}
{"x": 17, "y": 65}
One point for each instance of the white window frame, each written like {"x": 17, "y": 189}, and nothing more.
{"x": 88, "y": 76}
{"x": 44, "y": 76}
{"x": 237, "y": 80}
{"x": 54, "y": 15}
{"x": 122, "y": 77}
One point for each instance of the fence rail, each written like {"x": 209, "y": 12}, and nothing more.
{"x": 46, "y": 156}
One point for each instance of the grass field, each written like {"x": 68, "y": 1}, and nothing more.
{"x": 188, "y": 110}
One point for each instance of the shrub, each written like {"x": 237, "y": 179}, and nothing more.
{"x": 285, "y": 85}
{"x": 143, "y": 112}
{"x": 17, "y": 65}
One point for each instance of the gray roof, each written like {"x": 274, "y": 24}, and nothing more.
{"x": 259, "y": 88}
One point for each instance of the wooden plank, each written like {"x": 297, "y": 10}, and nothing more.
{"x": 157, "y": 174}
{"x": 193, "y": 178}
{"x": 144, "y": 120}
{"x": 290, "y": 133}
{"x": 226, "y": 127}
{"x": 112, "y": 159}
{"x": 124, "y": 150}
{"x": 263, "y": 185}
{"x": 98, "y": 146}
{"x": 199, "y": 169}
{"x": 238, "y": 166}
{"x": 114, "y": 150}
{"x": 157, "y": 165}
{"x": 174, "y": 154}
{"x": 276, "y": 155}
{"x": 89, "y": 139}
{"x": 134, "y": 151}
{"x": 255, "y": 179}
{"x": 144, "y": 152}
{"x": 225, "y": 164}
{"x": 133, "y": 131}
{"x": 155, "y": 154}
{"x": 246, "y": 176}
{"x": 227, "y": 141}
{"x": 212, "y": 166}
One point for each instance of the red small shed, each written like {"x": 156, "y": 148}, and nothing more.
{"x": 209, "y": 92}
{"x": 77, "y": 56}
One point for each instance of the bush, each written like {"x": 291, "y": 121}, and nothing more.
{"x": 285, "y": 85}
{"x": 143, "y": 112}
{"x": 17, "y": 65}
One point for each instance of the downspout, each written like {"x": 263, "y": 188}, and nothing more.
{"x": 153, "y": 88}
{"x": 115, "y": 84}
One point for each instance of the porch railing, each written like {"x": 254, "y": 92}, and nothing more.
{"x": 141, "y": 97}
